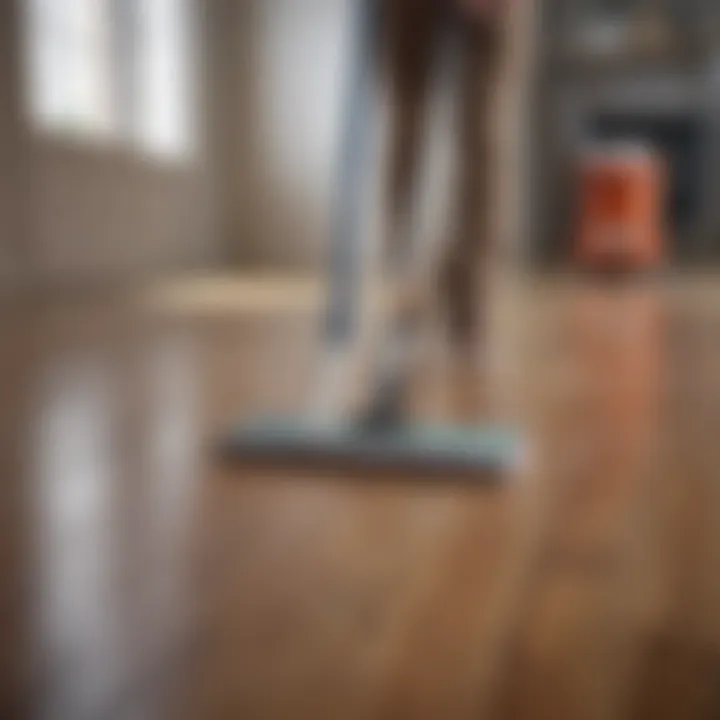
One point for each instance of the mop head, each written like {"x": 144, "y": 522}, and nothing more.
{"x": 413, "y": 447}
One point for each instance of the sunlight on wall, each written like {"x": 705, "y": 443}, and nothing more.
{"x": 304, "y": 56}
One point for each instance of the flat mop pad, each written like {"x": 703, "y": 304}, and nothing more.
{"x": 412, "y": 447}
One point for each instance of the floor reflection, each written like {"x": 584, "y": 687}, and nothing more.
{"x": 619, "y": 339}
{"x": 112, "y": 528}
{"x": 78, "y": 639}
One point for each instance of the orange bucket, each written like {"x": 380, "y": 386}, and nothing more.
{"x": 622, "y": 209}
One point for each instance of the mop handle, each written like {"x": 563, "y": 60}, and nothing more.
{"x": 346, "y": 252}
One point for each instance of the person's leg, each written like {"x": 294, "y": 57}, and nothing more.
{"x": 463, "y": 281}
{"x": 413, "y": 30}
{"x": 412, "y": 33}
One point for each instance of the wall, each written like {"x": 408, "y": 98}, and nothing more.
{"x": 273, "y": 82}
{"x": 101, "y": 212}
{"x": 517, "y": 118}
{"x": 13, "y": 165}
{"x": 75, "y": 212}
{"x": 278, "y": 68}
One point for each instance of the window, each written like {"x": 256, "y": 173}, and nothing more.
{"x": 115, "y": 70}
{"x": 69, "y": 65}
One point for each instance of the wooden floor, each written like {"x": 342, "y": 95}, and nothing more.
{"x": 141, "y": 578}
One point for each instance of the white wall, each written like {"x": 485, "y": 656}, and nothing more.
{"x": 280, "y": 67}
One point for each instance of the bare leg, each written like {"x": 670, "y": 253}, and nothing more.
{"x": 413, "y": 34}
{"x": 463, "y": 281}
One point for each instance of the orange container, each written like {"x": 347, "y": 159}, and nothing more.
{"x": 622, "y": 208}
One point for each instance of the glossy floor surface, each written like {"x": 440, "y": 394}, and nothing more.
{"x": 143, "y": 578}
